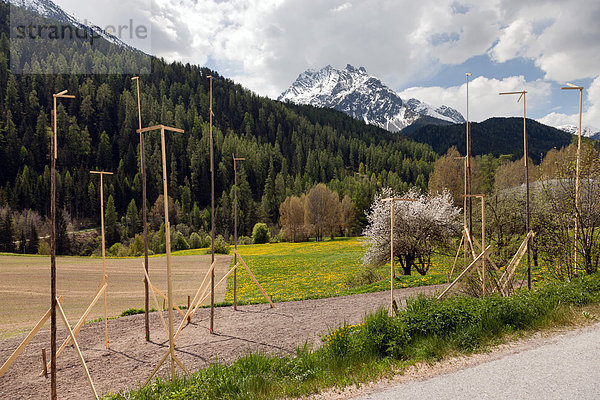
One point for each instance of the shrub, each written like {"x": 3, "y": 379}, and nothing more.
{"x": 221, "y": 246}
{"x": 195, "y": 241}
{"x": 243, "y": 240}
{"x": 44, "y": 248}
{"x": 260, "y": 233}
{"x": 136, "y": 248}
{"x": 115, "y": 249}
{"x": 179, "y": 242}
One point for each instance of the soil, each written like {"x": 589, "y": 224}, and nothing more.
{"x": 25, "y": 285}
{"x": 130, "y": 359}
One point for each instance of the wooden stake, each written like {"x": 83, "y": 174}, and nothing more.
{"x": 147, "y": 279}
{"x": 104, "y": 276}
{"x": 191, "y": 310}
{"x": 464, "y": 272}
{"x": 254, "y": 279}
{"x": 235, "y": 230}
{"x": 44, "y": 362}
{"x": 189, "y": 319}
{"x": 167, "y": 238}
{"x": 522, "y": 95}
{"x": 144, "y": 212}
{"x": 53, "y": 157}
{"x": 212, "y": 213}
{"x": 81, "y": 321}
{"x": 26, "y": 341}
{"x": 512, "y": 265}
{"x": 392, "y": 271}
{"x": 85, "y": 368}
{"x": 576, "y": 235}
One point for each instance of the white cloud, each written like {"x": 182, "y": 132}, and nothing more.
{"x": 265, "y": 44}
{"x": 591, "y": 110}
{"x": 484, "y": 98}
{"x": 341, "y": 7}
{"x": 563, "y": 37}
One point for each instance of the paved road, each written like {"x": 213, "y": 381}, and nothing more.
{"x": 568, "y": 368}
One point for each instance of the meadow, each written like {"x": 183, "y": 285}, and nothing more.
{"x": 313, "y": 270}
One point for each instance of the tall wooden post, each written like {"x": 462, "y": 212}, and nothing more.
{"x": 144, "y": 213}
{"x": 522, "y": 95}
{"x": 104, "y": 276}
{"x": 167, "y": 238}
{"x": 53, "y": 156}
{"x": 392, "y": 200}
{"x": 483, "y": 241}
{"x": 576, "y": 236}
{"x": 469, "y": 188}
{"x": 235, "y": 229}
{"x": 392, "y": 256}
{"x": 53, "y": 257}
{"x": 212, "y": 216}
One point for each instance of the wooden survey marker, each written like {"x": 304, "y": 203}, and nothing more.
{"x": 171, "y": 350}
{"x": 392, "y": 200}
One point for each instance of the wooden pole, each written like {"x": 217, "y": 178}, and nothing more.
{"x": 392, "y": 271}
{"x": 464, "y": 272}
{"x": 44, "y": 362}
{"x": 527, "y": 221}
{"x": 483, "y": 240}
{"x": 391, "y": 257}
{"x": 168, "y": 248}
{"x": 53, "y": 157}
{"x": 104, "y": 276}
{"x": 53, "y": 394}
{"x": 212, "y": 215}
{"x": 522, "y": 95}
{"x": 235, "y": 230}
{"x": 85, "y": 368}
{"x": 482, "y": 197}
{"x": 468, "y": 161}
{"x": 144, "y": 212}
{"x": 26, "y": 341}
{"x": 576, "y": 237}
{"x": 162, "y": 129}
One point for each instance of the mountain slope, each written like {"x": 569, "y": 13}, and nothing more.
{"x": 495, "y": 136}
{"x": 364, "y": 97}
{"x": 587, "y": 131}
{"x": 49, "y": 9}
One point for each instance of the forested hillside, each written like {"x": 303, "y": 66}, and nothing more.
{"x": 496, "y": 136}
{"x": 287, "y": 149}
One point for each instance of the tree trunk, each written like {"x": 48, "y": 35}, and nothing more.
{"x": 409, "y": 261}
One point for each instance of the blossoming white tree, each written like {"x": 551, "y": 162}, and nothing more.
{"x": 420, "y": 227}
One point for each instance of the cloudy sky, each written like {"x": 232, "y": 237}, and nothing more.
{"x": 420, "y": 48}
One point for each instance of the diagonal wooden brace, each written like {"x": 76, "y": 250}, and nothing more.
{"x": 26, "y": 341}
{"x": 72, "y": 335}
{"x": 475, "y": 261}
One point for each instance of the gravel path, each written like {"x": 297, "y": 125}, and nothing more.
{"x": 130, "y": 359}
{"x": 567, "y": 366}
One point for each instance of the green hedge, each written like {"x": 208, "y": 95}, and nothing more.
{"x": 425, "y": 331}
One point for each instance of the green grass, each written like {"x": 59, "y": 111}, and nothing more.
{"x": 427, "y": 331}
{"x": 313, "y": 270}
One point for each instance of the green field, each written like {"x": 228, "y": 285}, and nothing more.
{"x": 312, "y": 270}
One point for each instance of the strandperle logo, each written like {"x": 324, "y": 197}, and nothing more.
{"x": 49, "y": 41}
{"x": 69, "y": 32}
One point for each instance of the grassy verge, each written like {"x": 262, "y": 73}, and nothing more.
{"x": 428, "y": 330}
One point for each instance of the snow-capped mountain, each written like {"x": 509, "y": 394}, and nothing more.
{"x": 362, "y": 96}
{"x": 587, "y": 131}
{"x": 48, "y": 9}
